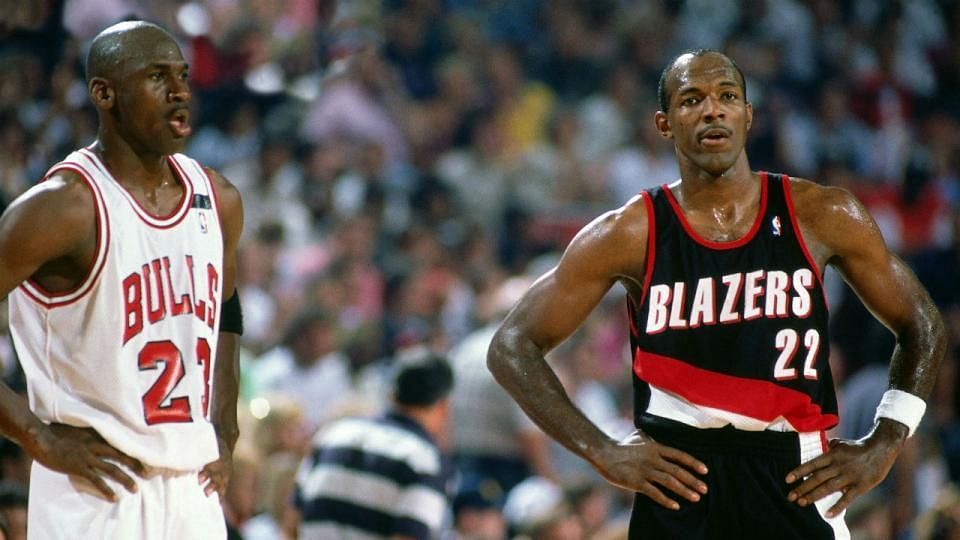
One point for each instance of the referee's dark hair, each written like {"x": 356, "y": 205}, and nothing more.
{"x": 422, "y": 382}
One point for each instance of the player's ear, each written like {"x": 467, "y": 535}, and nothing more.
{"x": 749, "y": 116}
{"x": 101, "y": 93}
{"x": 663, "y": 125}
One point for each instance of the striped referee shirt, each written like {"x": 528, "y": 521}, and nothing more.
{"x": 368, "y": 478}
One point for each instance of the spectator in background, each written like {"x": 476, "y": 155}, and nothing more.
{"x": 477, "y": 513}
{"x": 478, "y": 174}
{"x": 383, "y": 477}
{"x": 942, "y": 521}
{"x": 840, "y": 135}
{"x": 520, "y": 106}
{"x": 360, "y": 102}
{"x": 238, "y": 138}
{"x": 538, "y": 509}
{"x": 495, "y": 445}
{"x": 14, "y": 463}
{"x": 13, "y": 509}
{"x": 307, "y": 366}
{"x": 273, "y": 181}
{"x": 240, "y": 501}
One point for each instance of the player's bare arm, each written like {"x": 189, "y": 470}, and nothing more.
{"x": 611, "y": 249}
{"x": 226, "y": 376}
{"x": 841, "y": 232}
{"x": 49, "y": 234}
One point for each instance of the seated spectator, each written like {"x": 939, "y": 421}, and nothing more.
{"x": 13, "y": 510}
{"x": 493, "y": 439}
{"x": 477, "y": 512}
{"x": 537, "y": 509}
{"x": 306, "y": 366}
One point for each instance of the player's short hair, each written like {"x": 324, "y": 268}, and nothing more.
{"x": 114, "y": 42}
{"x": 664, "y": 99}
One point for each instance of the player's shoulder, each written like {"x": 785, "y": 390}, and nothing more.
{"x": 831, "y": 216}
{"x": 614, "y": 243}
{"x": 62, "y": 202}
{"x": 815, "y": 200}
{"x": 62, "y": 191}
{"x": 629, "y": 220}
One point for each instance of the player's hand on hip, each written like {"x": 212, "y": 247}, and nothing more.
{"x": 84, "y": 453}
{"x": 850, "y": 467}
{"x": 216, "y": 475}
{"x": 640, "y": 464}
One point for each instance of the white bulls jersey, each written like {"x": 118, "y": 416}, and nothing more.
{"x": 130, "y": 351}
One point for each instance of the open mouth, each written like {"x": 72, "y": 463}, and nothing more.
{"x": 180, "y": 123}
{"x": 714, "y": 136}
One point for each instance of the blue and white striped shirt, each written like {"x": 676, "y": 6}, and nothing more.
{"x": 368, "y": 478}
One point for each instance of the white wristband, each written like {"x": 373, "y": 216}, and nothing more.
{"x": 903, "y": 407}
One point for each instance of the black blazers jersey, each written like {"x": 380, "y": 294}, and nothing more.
{"x": 732, "y": 332}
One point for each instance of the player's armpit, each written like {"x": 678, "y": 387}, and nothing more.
{"x": 609, "y": 249}
{"x": 231, "y": 222}
{"x": 840, "y": 230}
{"x": 54, "y": 221}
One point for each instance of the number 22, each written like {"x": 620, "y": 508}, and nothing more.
{"x": 166, "y": 353}
{"x": 787, "y": 342}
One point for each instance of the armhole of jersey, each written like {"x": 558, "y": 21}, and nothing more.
{"x": 200, "y": 174}
{"x": 49, "y": 299}
{"x": 631, "y": 313}
{"x": 651, "y": 245}
{"x": 214, "y": 196}
{"x": 788, "y": 197}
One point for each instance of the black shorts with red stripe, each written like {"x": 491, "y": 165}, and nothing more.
{"x": 746, "y": 493}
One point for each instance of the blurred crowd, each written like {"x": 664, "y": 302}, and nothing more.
{"x": 408, "y": 167}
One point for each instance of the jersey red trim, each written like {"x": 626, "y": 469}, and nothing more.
{"x": 710, "y": 244}
{"x": 161, "y": 222}
{"x": 213, "y": 194}
{"x": 796, "y": 232}
{"x": 754, "y": 398}
{"x": 631, "y": 313}
{"x": 54, "y": 299}
{"x": 651, "y": 245}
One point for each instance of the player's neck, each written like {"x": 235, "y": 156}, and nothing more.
{"x": 735, "y": 184}
{"x": 129, "y": 165}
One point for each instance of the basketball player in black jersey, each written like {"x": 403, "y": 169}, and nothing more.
{"x": 733, "y": 390}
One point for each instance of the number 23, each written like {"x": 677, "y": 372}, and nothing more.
{"x": 166, "y": 353}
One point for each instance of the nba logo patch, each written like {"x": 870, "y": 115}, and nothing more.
{"x": 203, "y": 222}
{"x": 774, "y": 225}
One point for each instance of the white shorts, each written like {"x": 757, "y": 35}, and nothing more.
{"x": 168, "y": 504}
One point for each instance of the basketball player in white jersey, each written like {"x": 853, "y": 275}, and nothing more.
{"x": 120, "y": 268}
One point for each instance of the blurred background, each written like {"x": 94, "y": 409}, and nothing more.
{"x": 409, "y": 166}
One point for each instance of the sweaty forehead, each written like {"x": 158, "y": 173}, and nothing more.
{"x": 695, "y": 70}
{"x": 146, "y": 48}
{"x": 128, "y": 47}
